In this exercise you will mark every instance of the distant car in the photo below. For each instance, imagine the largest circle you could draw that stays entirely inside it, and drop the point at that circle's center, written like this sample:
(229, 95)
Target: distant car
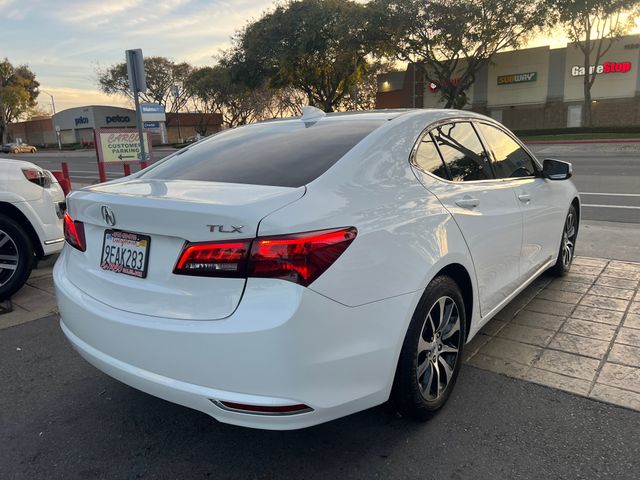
(283, 274)
(18, 148)
(32, 206)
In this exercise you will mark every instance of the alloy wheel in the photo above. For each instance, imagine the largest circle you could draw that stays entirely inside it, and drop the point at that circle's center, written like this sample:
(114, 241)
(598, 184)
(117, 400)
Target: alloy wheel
(438, 348)
(9, 257)
(568, 239)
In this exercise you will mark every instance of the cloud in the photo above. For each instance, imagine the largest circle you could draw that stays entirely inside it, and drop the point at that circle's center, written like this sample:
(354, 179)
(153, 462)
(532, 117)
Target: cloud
(72, 97)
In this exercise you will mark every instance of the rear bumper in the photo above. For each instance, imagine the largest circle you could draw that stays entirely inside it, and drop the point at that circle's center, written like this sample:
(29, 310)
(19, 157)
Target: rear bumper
(284, 345)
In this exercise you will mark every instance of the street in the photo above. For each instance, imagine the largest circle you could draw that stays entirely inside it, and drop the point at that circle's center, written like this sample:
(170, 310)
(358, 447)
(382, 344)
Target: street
(607, 175)
(61, 418)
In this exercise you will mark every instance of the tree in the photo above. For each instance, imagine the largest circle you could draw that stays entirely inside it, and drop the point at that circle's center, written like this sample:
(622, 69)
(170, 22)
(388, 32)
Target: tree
(162, 74)
(319, 47)
(213, 91)
(18, 93)
(453, 39)
(594, 26)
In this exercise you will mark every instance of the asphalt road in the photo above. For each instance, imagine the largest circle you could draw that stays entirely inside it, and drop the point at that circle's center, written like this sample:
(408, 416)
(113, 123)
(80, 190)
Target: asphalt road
(61, 418)
(607, 175)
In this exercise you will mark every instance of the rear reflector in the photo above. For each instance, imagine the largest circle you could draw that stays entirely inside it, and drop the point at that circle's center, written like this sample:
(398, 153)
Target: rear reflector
(264, 409)
(300, 258)
(74, 233)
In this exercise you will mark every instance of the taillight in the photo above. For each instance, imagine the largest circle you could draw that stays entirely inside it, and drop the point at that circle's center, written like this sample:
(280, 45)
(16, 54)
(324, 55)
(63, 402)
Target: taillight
(214, 259)
(74, 233)
(300, 258)
(37, 176)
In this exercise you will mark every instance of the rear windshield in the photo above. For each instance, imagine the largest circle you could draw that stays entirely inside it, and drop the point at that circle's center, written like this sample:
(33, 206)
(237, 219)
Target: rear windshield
(288, 154)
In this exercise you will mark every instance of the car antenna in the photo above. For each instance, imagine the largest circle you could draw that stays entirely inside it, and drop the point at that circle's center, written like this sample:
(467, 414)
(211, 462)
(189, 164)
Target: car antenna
(311, 114)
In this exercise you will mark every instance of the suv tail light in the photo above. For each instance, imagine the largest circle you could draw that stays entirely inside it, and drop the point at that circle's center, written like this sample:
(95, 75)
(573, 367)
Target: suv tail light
(74, 233)
(37, 176)
(300, 258)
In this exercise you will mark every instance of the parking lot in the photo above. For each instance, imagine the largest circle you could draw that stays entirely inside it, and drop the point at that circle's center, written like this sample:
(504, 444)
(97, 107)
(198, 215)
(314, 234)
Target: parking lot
(560, 363)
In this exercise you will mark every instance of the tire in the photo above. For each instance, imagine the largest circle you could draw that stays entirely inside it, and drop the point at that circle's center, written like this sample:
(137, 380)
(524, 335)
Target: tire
(16, 151)
(14, 242)
(567, 244)
(33, 150)
(414, 394)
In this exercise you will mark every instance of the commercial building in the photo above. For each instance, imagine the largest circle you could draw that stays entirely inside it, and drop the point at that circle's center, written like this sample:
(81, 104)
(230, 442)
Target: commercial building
(76, 125)
(535, 88)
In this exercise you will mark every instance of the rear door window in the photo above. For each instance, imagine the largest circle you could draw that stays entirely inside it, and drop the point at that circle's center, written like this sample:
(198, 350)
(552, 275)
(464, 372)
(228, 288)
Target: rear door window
(462, 152)
(428, 158)
(286, 154)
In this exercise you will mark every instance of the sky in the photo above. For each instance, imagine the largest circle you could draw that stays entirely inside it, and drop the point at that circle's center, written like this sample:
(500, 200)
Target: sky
(65, 41)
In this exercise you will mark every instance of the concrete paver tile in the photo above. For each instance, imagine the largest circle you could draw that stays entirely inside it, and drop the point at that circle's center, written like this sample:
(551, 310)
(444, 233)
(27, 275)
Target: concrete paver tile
(587, 269)
(604, 302)
(625, 355)
(511, 351)
(628, 336)
(593, 262)
(599, 315)
(617, 282)
(547, 306)
(612, 292)
(622, 376)
(498, 365)
(634, 308)
(568, 364)
(632, 320)
(616, 396)
(556, 380)
(589, 347)
(560, 296)
(599, 331)
(492, 327)
(619, 273)
(539, 320)
(565, 286)
(525, 334)
(580, 278)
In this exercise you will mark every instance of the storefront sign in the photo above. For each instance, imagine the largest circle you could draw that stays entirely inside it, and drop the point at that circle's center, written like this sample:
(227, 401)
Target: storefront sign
(152, 112)
(118, 119)
(607, 67)
(517, 78)
(120, 145)
(81, 120)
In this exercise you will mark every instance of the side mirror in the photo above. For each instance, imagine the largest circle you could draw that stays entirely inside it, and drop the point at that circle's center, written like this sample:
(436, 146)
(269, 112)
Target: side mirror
(556, 169)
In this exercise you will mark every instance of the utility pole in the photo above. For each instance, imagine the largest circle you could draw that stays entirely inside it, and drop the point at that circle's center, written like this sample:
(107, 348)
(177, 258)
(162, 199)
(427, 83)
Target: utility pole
(175, 90)
(137, 84)
(57, 129)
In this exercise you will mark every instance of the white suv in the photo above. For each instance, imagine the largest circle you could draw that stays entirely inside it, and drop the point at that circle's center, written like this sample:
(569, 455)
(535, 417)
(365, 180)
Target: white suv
(32, 205)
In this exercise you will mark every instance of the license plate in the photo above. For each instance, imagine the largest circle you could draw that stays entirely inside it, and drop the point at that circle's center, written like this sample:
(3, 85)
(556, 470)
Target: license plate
(125, 252)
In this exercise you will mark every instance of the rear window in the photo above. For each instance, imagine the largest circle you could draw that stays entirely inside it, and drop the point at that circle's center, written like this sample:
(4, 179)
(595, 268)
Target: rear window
(288, 154)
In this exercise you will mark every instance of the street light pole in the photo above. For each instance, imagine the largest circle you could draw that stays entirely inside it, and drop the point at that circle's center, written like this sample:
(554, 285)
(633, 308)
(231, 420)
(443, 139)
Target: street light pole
(53, 105)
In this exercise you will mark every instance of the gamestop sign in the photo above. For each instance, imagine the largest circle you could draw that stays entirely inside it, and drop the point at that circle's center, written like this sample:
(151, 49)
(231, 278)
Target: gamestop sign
(607, 67)
(120, 145)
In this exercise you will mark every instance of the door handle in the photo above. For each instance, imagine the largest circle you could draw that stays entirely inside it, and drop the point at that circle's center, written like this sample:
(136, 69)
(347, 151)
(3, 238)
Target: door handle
(468, 202)
(524, 197)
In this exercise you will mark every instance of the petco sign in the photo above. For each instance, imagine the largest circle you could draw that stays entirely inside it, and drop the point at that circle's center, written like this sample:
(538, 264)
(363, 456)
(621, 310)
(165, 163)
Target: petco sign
(607, 67)
(117, 119)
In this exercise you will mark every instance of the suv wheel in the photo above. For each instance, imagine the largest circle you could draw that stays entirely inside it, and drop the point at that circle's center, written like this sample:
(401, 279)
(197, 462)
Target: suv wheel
(432, 351)
(16, 257)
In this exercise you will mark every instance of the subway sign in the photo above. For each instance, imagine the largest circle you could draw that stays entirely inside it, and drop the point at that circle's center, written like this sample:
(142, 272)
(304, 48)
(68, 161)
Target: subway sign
(607, 67)
(517, 78)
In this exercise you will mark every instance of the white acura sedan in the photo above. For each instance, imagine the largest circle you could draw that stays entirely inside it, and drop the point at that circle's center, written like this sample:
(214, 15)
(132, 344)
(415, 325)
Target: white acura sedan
(287, 273)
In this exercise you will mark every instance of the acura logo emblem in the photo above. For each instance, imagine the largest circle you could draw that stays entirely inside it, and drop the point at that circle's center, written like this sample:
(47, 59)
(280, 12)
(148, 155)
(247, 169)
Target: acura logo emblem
(108, 216)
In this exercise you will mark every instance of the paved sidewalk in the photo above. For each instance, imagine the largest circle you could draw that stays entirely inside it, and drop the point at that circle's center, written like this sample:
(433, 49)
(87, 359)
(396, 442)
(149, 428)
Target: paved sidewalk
(34, 300)
(579, 334)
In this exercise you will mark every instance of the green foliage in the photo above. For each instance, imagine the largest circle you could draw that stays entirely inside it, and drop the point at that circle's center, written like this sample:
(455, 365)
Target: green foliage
(161, 75)
(319, 47)
(454, 39)
(18, 93)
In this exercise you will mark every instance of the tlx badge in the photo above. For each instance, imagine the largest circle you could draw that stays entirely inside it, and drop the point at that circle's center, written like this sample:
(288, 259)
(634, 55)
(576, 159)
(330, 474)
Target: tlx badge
(224, 229)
